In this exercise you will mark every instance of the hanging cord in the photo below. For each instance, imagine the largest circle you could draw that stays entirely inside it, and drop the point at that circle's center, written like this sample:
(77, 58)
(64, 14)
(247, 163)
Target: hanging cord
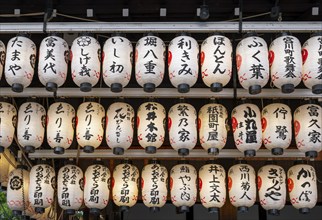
(23, 194)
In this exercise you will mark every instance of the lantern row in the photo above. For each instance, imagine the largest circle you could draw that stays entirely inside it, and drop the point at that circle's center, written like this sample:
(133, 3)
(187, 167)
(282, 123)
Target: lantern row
(256, 63)
(251, 127)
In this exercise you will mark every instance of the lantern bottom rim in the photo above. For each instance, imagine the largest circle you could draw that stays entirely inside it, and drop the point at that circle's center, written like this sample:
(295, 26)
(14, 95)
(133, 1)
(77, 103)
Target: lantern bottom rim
(216, 87)
(149, 87)
(70, 211)
(124, 208)
(183, 209)
(116, 87)
(150, 150)
(183, 151)
(304, 210)
(317, 89)
(242, 209)
(118, 151)
(59, 150)
(94, 211)
(154, 209)
(311, 154)
(213, 210)
(277, 151)
(274, 212)
(88, 149)
(213, 151)
(51, 87)
(183, 88)
(1, 149)
(255, 89)
(17, 87)
(17, 212)
(29, 149)
(39, 210)
(85, 87)
(250, 153)
(287, 88)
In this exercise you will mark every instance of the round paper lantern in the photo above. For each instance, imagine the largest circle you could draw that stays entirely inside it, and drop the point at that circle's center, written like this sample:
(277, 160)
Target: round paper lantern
(182, 125)
(85, 62)
(60, 126)
(149, 62)
(8, 119)
(119, 127)
(247, 128)
(277, 127)
(117, 62)
(285, 62)
(302, 187)
(151, 120)
(212, 121)
(4, 168)
(242, 186)
(154, 186)
(31, 126)
(183, 186)
(308, 129)
(53, 62)
(2, 57)
(271, 183)
(212, 186)
(312, 63)
(90, 125)
(216, 62)
(70, 186)
(125, 188)
(96, 188)
(183, 53)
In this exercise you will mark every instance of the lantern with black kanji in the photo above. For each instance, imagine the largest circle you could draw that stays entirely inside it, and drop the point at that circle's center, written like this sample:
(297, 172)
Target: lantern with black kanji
(302, 187)
(183, 54)
(212, 186)
(285, 62)
(2, 57)
(90, 123)
(308, 129)
(31, 126)
(85, 62)
(4, 168)
(119, 127)
(151, 120)
(20, 62)
(8, 119)
(70, 187)
(117, 62)
(277, 127)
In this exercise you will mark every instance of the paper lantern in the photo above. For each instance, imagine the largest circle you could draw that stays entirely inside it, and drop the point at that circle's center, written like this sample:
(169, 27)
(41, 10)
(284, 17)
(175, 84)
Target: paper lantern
(8, 119)
(125, 185)
(2, 57)
(212, 121)
(42, 187)
(183, 53)
(4, 168)
(96, 188)
(53, 62)
(277, 127)
(70, 186)
(182, 125)
(119, 127)
(312, 63)
(149, 62)
(117, 62)
(271, 183)
(247, 128)
(308, 129)
(285, 62)
(252, 63)
(154, 186)
(90, 125)
(151, 120)
(183, 186)
(31, 126)
(60, 126)
(302, 187)
(242, 186)
(216, 62)
(85, 62)
(212, 186)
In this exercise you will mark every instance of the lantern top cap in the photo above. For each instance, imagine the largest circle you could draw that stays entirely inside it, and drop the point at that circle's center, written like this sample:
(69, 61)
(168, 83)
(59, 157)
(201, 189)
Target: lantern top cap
(250, 34)
(23, 167)
(316, 34)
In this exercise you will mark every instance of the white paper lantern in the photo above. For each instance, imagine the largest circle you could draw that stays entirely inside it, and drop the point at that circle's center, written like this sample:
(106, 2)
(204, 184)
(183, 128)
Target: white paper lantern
(85, 62)
(183, 54)
(8, 119)
(183, 186)
(242, 186)
(70, 187)
(96, 188)
(247, 128)
(212, 186)
(216, 62)
(2, 57)
(125, 186)
(53, 62)
(119, 127)
(117, 62)
(182, 126)
(42, 187)
(151, 120)
(4, 168)
(149, 62)
(90, 125)
(308, 129)
(285, 62)
(154, 186)
(212, 121)
(302, 187)
(31, 125)
(277, 127)
(271, 183)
